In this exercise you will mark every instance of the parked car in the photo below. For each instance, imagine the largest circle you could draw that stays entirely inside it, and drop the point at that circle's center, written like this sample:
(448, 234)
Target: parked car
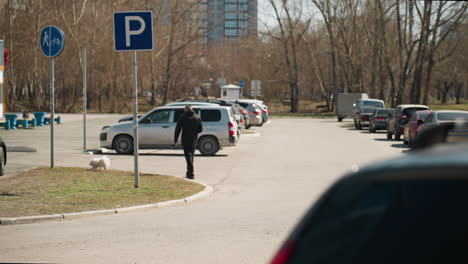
(435, 118)
(3, 156)
(362, 103)
(410, 129)
(364, 117)
(240, 119)
(378, 121)
(406, 210)
(156, 130)
(400, 117)
(345, 104)
(263, 108)
(254, 111)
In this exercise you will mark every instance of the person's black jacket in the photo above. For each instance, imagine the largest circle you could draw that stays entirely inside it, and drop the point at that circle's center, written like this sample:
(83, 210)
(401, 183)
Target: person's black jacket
(190, 124)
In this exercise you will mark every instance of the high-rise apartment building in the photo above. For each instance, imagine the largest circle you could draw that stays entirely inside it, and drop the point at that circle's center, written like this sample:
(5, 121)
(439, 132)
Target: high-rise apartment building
(226, 20)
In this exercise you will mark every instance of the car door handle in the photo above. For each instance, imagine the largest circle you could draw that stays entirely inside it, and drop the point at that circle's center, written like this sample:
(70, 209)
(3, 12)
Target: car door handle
(165, 126)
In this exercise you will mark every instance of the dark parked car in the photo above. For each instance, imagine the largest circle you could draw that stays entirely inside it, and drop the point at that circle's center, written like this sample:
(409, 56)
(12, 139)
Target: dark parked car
(3, 156)
(411, 127)
(363, 103)
(400, 117)
(364, 116)
(407, 210)
(378, 120)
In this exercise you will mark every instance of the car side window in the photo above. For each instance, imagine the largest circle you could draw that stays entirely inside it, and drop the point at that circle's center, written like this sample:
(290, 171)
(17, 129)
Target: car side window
(160, 116)
(210, 115)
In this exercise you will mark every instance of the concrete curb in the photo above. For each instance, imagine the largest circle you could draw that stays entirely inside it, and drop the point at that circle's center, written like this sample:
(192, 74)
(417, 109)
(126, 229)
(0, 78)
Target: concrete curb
(38, 218)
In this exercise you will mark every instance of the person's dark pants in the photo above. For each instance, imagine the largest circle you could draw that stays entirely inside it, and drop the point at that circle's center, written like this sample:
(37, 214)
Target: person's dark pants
(189, 151)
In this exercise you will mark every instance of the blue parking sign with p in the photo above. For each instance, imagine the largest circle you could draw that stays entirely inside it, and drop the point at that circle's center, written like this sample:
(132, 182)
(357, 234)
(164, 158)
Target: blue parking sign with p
(133, 31)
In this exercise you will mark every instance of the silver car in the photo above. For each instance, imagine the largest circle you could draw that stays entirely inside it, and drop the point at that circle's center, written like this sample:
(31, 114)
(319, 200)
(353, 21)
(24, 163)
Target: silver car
(255, 113)
(156, 130)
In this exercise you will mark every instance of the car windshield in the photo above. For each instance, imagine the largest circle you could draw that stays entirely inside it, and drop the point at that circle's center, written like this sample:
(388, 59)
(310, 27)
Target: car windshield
(452, 116)
(373, 104)
(368, 110)
(384, 112)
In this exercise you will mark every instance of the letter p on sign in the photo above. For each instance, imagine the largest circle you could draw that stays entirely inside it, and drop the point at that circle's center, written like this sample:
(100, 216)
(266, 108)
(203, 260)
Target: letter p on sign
(133, 31)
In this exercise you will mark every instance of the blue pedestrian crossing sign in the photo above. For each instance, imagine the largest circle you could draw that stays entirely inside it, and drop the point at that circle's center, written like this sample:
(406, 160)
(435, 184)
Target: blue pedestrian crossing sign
(133, 31)
(51, 41)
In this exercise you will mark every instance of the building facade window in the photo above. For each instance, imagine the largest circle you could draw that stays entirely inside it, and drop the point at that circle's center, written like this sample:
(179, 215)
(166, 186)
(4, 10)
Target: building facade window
(243, 7)
(230, 32)
(230, 24)
(230, 15)
(230, 7)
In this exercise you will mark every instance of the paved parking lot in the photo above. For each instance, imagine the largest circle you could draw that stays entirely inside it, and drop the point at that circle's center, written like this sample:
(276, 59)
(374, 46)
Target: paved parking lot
(262, 187)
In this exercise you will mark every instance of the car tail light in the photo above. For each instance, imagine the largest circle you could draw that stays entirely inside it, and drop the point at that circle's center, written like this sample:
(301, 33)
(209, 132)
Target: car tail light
(232, 132)
(364, 117)
(244, 112)
(283, 254)
(402, 129)
(256, 112)
(403, 117)
(265, 111)
(379, 119)
(242, 121)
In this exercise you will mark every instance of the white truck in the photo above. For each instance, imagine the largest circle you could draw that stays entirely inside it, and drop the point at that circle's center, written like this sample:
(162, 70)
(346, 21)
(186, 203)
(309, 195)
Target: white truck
(345, 104)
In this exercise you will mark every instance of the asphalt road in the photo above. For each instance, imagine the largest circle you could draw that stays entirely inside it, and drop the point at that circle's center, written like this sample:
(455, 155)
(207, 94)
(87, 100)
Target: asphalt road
(262, 188)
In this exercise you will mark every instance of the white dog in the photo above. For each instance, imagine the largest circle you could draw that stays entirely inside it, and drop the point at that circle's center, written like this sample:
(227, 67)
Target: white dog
(102, 163)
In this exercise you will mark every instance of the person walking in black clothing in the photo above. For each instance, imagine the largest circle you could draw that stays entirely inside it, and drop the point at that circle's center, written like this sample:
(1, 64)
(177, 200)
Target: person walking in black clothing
(191, 125)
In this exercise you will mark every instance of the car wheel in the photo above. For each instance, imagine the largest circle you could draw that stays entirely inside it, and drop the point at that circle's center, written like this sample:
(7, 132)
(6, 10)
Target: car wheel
(123, 144)
(261, 124)
(389, 135)
(248, 126)
(359, 126)
(2, 162)
(340, 119)
(355, 124)
(372, 130)
(208, 146)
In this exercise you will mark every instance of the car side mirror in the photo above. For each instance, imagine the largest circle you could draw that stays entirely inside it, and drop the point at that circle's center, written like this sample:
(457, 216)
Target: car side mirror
(420, 122)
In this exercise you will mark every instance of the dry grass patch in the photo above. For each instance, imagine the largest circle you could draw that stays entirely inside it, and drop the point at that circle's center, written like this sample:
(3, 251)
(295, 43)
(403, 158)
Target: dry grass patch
(65, 190)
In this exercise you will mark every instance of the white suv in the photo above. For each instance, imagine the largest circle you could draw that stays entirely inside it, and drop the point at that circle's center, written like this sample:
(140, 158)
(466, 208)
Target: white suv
(156, 130)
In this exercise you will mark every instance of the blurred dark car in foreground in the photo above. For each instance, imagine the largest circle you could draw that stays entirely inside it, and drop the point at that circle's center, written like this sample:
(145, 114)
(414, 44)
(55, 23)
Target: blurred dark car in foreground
(407, 210)
(3, 156)
(454, 132)
(436, 118)
(378, 120)
(364, 116)
(397, 121)
(410, 129)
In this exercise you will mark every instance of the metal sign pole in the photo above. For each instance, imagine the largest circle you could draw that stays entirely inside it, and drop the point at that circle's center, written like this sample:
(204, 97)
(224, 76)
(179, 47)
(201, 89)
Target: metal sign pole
(52, 110)
(84, 97)
(135, 118)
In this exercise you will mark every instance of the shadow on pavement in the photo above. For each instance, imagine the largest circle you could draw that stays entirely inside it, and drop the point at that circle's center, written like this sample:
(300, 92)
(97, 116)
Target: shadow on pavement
(399, 145)
(167, 155)
(383, 139)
